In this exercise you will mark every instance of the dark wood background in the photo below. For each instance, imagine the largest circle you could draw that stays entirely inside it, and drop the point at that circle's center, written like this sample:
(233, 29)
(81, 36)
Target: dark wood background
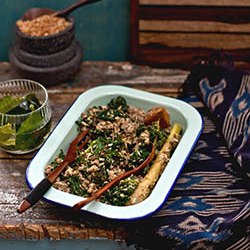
(178, 33)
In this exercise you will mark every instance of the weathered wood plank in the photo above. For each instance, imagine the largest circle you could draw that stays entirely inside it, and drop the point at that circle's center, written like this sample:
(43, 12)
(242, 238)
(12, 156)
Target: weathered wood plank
(192, 26)
(194, 40)
(185, 57)
(227, 14)
(53, 232)
(197, 3)
(98, 73)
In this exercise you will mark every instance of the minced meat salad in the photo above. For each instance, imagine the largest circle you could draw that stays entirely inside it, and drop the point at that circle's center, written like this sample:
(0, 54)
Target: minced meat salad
(119, 142)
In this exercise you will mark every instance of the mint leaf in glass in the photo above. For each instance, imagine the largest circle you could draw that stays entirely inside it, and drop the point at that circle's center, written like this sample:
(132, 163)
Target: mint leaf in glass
(7, 135)
(8, 103)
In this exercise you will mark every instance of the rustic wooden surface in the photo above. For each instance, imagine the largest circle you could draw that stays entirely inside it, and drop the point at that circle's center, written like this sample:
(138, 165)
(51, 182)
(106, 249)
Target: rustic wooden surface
(170, 33)
(46, 220)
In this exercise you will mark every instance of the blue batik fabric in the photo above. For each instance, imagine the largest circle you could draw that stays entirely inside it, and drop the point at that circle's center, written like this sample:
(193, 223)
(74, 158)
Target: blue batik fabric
(226, 92)
(209, 206)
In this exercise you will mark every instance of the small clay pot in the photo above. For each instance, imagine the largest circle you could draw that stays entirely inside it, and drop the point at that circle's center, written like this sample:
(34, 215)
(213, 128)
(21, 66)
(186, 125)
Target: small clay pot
(45, 44)
(49, 75)
(48, 60)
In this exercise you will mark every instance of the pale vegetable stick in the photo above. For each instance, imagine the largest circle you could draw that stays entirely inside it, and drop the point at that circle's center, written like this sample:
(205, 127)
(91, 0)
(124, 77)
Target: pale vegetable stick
(146, 185)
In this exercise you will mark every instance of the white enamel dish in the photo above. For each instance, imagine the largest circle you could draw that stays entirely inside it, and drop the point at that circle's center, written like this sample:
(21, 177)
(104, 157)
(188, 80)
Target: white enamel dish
(65, 131)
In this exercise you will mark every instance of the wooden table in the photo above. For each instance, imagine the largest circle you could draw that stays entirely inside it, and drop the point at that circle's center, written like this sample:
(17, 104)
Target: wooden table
(49, 221)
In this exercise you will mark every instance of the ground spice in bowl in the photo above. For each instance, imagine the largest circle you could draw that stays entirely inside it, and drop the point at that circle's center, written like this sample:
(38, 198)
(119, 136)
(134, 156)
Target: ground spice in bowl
(43, 26)
(45, 49)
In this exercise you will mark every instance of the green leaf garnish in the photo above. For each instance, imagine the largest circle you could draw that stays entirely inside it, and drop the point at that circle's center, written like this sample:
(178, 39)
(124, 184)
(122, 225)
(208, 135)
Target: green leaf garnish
(7, 103)
(7, 135)
(33, 122)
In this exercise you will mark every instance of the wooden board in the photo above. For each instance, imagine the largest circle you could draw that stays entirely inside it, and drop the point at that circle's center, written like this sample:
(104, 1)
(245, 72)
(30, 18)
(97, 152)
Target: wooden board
(162, 30)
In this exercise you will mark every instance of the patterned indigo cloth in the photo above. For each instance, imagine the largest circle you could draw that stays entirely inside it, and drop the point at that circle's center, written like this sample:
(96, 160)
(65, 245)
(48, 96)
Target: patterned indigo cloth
(226, 92)
(209, 206)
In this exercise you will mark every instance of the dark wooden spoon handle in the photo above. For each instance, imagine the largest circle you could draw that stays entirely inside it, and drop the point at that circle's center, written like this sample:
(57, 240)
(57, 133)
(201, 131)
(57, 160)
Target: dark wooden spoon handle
(71, 8)
(35, 195)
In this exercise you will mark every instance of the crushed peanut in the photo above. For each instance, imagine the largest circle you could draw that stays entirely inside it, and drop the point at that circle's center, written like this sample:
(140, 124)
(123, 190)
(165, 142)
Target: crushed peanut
(43, 26)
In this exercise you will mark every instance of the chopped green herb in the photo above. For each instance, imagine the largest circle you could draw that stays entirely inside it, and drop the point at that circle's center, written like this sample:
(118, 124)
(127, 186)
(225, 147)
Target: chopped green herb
(119, 194)
(118, 103)
(75, 186)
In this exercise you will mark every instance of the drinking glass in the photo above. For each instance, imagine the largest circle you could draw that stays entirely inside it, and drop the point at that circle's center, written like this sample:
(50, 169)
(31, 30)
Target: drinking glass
(25, 116)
